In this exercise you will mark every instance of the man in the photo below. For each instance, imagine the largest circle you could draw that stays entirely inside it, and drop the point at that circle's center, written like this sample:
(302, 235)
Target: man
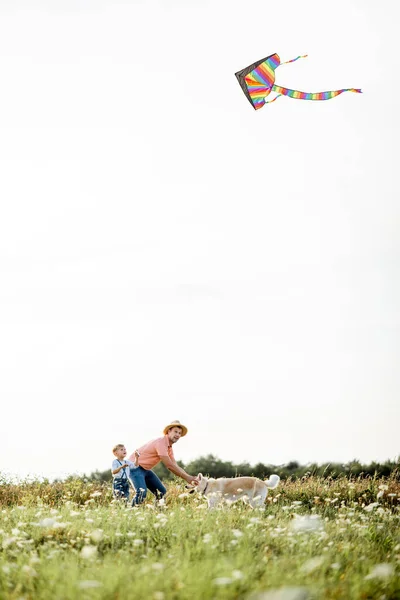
(149, 455)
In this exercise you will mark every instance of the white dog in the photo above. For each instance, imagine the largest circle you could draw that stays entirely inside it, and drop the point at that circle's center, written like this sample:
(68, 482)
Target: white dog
(251, 490)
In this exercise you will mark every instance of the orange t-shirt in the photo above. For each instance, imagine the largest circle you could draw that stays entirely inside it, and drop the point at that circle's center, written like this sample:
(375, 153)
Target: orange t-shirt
(151, 453)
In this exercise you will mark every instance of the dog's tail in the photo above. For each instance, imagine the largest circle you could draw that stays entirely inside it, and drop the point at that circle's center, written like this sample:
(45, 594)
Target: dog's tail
(272, 482)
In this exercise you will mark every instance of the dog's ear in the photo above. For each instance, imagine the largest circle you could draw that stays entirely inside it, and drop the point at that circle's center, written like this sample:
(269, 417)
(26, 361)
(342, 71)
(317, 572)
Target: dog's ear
(200, 476)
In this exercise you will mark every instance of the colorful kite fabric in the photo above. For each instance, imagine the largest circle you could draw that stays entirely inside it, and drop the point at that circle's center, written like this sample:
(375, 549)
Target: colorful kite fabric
(258, 81)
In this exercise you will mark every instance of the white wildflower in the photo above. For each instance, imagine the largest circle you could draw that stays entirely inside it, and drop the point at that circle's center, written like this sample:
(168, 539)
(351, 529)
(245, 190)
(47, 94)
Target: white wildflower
(381, 571)
(312, 564)
(306, 523)
(284, 593)
(138, 542)
(370, 507)
(222, 581)
(158, 595)
(236, 574)
(237, 533)
(157, 566)
(48, 522)
(96, 535)
(95, 494)
(30, 571)
(89, 552)
(88, 584)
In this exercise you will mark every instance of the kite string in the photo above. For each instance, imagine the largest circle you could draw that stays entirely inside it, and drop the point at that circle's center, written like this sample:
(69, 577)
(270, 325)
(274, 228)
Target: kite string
(294, 59)
(273, 100)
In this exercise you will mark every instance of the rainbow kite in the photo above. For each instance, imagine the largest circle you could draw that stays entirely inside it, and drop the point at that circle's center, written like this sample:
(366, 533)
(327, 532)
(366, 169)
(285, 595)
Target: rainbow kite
(258, 80)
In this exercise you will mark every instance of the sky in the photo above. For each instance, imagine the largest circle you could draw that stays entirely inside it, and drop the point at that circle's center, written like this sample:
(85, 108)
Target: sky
(167, 252)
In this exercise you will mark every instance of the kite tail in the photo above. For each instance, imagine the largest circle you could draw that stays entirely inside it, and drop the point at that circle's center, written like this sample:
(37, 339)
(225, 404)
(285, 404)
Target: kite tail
(294, 59)
(310, 95)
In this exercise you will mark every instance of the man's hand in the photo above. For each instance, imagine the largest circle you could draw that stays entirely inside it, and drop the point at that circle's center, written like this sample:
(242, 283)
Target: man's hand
(192, 480)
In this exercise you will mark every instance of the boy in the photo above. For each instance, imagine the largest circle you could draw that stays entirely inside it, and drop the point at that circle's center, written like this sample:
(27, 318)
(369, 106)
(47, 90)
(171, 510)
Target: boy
(119, 469)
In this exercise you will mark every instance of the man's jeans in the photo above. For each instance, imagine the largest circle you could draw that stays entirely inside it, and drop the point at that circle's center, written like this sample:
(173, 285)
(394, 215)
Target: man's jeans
(143, 479)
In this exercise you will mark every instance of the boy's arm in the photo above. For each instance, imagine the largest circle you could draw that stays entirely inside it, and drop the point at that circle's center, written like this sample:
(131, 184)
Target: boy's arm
(117, 470)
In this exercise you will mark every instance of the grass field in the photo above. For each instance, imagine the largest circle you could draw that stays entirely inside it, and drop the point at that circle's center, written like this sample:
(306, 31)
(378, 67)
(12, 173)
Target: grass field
(315, 539)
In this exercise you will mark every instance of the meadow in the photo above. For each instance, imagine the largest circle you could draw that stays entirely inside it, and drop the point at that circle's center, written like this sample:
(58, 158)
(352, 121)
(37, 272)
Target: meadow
(316, 538)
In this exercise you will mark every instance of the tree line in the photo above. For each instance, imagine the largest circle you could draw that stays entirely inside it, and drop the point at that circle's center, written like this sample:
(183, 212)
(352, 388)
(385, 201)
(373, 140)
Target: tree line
(212, 466)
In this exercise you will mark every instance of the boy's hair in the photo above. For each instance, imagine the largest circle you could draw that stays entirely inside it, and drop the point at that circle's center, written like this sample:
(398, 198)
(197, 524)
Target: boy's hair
(117, 447)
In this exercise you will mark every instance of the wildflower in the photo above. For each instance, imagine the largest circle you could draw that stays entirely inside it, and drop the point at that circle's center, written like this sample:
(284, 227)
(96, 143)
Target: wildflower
(370, 507)
(30, 571)
(158, 595)
(89, 583)
(306, 523)
(138, 542)
(96, 535)
(237, 533)
(222, 581)
(237, 574)
(95, 494)
(157, 566)
(381, 571)
(283, 593)
(312, 564)
(207, 538)
(88, 552)
(48, 522)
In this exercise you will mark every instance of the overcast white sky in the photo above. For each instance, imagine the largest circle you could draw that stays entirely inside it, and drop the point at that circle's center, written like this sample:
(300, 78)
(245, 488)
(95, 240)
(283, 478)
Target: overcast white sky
(167, 252)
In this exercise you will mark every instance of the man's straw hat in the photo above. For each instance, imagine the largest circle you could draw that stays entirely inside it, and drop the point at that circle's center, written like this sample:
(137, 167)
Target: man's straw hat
(175, 424)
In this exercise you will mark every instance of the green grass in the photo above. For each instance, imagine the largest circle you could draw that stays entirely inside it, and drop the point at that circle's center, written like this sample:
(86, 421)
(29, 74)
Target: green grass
(322, 539)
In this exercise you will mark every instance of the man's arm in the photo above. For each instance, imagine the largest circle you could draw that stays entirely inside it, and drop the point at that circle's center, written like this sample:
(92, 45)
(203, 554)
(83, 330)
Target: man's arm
(176, 470)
